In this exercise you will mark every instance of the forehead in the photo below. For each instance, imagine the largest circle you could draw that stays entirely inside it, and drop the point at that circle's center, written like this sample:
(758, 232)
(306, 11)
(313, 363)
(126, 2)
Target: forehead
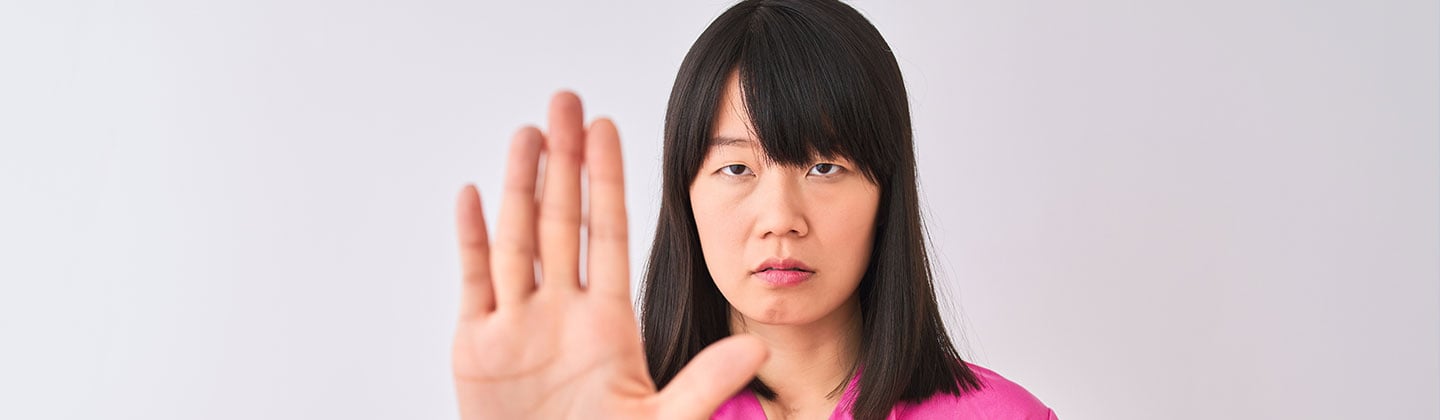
(787, 134)
(732, 126)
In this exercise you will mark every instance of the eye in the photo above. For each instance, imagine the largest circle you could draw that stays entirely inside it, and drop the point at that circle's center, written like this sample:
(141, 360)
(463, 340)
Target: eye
(825, 169)
(735, 170)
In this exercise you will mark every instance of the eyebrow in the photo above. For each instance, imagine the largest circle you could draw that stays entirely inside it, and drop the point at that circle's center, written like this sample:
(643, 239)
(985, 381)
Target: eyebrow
(719, 141)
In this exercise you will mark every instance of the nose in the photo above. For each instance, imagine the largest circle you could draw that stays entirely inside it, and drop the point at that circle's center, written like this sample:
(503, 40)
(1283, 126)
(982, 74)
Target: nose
(781, 209)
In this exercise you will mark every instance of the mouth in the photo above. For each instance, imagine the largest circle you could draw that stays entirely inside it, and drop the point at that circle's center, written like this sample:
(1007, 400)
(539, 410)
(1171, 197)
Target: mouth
(787, 264)
(783, 272)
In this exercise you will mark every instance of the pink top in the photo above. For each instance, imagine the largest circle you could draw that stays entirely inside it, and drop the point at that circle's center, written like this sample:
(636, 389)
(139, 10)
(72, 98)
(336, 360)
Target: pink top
(998, 399)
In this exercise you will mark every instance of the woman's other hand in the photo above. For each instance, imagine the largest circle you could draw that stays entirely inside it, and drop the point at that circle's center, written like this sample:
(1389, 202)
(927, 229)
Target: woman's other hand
(560, 349)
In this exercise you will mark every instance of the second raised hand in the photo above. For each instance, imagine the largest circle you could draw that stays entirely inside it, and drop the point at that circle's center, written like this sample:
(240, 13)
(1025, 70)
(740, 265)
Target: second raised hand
(559, 349)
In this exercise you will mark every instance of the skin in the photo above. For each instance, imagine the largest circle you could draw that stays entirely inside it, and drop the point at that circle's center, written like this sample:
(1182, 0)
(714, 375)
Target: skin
(534, 344)
(748, 210)
(559, 349)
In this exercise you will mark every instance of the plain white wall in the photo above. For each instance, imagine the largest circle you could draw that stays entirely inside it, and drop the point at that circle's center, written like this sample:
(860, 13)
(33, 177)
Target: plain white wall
(1141, 210)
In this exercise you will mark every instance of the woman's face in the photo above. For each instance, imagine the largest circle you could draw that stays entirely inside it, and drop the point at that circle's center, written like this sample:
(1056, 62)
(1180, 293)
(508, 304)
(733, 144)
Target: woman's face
(785, 245)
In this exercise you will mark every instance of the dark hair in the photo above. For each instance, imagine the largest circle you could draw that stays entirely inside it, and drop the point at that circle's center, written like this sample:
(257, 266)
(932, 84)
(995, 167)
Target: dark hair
(819, 80)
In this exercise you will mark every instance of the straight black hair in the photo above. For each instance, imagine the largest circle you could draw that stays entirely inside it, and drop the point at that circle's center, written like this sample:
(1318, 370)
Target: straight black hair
(818, 80)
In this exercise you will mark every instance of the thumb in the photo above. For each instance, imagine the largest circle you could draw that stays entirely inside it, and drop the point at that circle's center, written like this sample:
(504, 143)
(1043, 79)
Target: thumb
(712, 377)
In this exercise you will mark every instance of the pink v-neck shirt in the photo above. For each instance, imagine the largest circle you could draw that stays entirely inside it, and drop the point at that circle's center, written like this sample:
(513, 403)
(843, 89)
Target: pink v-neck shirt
(998, 399)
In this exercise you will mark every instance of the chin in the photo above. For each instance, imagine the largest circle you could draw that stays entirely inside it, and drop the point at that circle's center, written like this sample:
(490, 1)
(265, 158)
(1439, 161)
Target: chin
(780, 312)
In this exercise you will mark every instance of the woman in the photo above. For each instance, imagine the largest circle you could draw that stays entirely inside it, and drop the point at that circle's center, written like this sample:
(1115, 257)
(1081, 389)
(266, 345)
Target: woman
(788, 275)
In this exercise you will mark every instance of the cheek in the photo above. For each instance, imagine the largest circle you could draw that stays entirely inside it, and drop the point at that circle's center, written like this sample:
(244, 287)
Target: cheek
(857, 227)
(851, 232)
(721, 236)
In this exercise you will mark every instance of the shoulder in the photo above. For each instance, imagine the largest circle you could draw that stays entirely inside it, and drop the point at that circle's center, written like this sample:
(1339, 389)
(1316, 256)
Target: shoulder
(999, 398)
(741, 406)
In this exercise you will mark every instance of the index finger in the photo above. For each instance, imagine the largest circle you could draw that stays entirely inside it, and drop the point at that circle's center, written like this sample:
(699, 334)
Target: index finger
(608, 268)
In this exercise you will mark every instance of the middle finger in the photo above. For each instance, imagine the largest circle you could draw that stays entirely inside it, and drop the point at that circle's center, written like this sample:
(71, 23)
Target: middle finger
(559, 229)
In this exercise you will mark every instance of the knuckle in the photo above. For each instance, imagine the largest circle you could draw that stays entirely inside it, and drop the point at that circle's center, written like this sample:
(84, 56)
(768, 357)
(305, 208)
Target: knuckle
(604, 233)
(519, 189)
(516, 247)
(563, 215)
(474, 242)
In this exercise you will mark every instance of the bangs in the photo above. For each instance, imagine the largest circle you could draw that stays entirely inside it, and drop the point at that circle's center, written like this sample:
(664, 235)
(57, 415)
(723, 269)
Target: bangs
(817, 81)
(808, 94)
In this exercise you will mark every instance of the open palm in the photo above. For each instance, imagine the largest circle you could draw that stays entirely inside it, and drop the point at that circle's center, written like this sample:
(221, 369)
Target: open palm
(561, 349)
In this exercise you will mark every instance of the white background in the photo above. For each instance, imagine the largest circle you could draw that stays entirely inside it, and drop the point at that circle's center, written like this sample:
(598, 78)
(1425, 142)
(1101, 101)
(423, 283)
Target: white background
(1141, 210)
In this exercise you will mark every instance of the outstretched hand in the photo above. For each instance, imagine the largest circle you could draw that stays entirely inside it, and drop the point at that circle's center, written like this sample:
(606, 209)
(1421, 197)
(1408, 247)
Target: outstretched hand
(559, 349)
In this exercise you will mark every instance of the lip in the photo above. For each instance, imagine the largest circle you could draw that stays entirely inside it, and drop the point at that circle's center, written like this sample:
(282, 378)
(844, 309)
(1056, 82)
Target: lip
(783, 272)
(783, 264)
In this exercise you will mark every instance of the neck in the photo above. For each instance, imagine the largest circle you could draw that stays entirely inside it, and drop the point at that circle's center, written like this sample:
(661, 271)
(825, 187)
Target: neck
(807, 362)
